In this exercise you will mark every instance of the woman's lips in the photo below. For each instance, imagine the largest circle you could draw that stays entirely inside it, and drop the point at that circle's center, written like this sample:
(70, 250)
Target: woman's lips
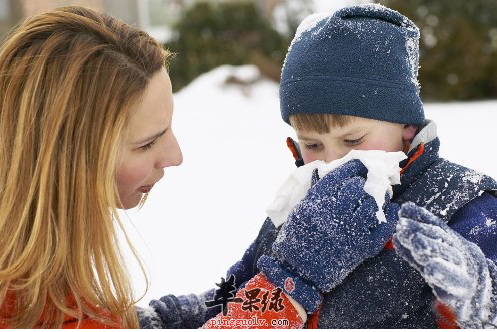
(145, 189)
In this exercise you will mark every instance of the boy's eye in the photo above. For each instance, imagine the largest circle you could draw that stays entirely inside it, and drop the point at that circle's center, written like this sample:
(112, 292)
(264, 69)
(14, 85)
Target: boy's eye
(314, 146)
(147, 146)
(354, 141)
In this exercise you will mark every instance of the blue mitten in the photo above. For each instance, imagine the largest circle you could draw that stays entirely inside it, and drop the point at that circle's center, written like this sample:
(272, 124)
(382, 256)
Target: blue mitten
(457, 270)
(328, 234)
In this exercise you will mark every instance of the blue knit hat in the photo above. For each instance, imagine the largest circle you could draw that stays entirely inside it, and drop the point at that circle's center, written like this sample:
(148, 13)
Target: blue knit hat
(360, 61)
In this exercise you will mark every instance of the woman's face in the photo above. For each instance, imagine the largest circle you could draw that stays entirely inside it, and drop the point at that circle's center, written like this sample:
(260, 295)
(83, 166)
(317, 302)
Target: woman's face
(149, 145)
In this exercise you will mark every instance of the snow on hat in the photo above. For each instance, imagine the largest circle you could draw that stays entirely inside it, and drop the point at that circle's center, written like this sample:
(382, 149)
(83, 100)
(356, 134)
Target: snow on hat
(360, 61)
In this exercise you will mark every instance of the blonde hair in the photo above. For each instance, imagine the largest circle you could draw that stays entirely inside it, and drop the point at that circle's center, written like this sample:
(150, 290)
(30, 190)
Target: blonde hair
(68, 82)
(320, 123)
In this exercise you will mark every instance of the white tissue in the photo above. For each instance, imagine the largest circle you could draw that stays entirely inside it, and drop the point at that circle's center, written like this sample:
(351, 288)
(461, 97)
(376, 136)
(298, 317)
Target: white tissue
(383, 172)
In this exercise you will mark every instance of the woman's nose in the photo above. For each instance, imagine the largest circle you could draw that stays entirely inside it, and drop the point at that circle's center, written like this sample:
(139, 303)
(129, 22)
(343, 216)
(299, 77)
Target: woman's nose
(177, 155)
(171, 155)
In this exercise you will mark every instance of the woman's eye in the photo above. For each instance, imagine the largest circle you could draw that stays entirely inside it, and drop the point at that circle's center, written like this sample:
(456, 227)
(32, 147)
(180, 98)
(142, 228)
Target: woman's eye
(354, 141)
(147, 146)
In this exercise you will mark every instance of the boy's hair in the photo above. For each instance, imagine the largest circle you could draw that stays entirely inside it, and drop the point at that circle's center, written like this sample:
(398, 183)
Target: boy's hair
(69, 80)
(319, 123)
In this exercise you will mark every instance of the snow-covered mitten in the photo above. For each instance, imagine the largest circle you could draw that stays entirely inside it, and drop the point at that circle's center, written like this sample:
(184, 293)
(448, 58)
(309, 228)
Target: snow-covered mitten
(329, 233)
(456, 269)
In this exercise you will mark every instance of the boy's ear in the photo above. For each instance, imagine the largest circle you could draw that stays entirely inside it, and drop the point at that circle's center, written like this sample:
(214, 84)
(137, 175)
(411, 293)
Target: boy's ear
(409, 132)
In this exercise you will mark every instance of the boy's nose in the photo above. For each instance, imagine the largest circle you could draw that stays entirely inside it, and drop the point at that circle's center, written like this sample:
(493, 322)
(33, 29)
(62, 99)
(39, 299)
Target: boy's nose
(333, 154)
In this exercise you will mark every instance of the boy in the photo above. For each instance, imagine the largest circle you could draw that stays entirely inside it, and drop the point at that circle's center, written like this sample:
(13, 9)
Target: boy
(350, 82)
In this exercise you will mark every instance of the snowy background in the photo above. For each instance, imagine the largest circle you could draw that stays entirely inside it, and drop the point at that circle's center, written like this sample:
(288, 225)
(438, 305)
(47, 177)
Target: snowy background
(201, 216)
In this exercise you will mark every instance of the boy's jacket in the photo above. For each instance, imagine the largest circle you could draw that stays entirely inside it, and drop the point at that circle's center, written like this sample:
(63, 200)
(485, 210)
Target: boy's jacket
(384, 291)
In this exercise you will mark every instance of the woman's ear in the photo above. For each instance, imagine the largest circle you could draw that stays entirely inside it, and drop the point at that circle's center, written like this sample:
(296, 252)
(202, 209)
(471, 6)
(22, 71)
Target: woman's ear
(409, 132)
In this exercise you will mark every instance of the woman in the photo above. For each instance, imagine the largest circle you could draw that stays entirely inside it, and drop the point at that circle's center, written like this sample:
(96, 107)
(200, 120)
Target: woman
(82, 94)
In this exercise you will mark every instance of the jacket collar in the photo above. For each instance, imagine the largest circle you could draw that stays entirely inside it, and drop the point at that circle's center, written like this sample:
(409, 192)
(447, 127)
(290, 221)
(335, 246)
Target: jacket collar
(427, 134)
(422, 153)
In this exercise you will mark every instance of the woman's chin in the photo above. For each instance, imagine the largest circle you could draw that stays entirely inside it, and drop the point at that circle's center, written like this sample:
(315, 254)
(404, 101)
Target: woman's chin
(131, 201)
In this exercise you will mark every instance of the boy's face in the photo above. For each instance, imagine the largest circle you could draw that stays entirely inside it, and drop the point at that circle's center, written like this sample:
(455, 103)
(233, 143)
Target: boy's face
(359, 134)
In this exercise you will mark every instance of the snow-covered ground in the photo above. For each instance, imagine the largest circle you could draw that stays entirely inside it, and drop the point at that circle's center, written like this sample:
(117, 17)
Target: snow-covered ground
(202, 215)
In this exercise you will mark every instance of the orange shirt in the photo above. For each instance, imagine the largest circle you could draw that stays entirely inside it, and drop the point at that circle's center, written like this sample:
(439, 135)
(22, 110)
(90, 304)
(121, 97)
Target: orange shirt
(6, 312)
